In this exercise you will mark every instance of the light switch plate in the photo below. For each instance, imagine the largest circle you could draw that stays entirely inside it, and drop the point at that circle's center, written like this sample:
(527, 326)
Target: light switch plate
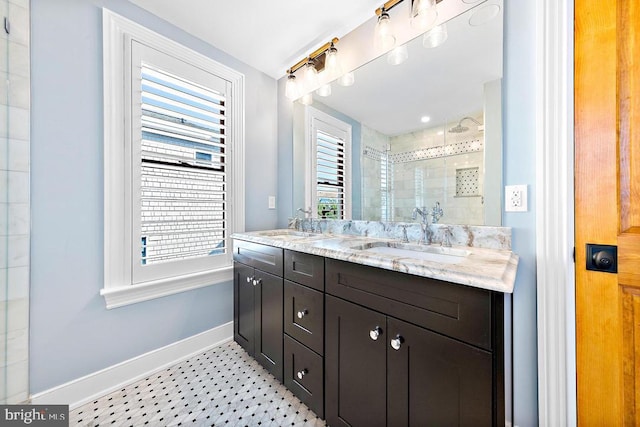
(272, 202)
(515, 198)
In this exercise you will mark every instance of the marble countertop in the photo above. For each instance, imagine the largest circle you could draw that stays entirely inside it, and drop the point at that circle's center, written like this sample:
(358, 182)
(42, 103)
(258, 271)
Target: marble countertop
(492, 269)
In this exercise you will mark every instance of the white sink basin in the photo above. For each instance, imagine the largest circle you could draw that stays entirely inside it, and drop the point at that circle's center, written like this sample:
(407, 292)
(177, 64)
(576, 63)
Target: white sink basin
(290, 234)
(437, 254)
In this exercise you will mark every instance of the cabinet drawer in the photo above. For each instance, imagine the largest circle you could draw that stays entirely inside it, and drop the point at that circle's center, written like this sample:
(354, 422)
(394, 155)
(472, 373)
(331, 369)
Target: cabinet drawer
(458, 311)
(304, 315)
(262, 257)
(304, 268)
(304, 375)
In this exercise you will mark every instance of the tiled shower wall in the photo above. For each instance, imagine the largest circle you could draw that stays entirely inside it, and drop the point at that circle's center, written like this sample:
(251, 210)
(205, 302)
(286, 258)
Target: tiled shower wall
(373, 175)
(14, 200)
(425, 167)
(425, 182)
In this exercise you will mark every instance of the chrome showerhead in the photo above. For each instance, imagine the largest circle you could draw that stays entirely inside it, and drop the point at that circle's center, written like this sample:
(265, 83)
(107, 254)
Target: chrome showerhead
(459, 128)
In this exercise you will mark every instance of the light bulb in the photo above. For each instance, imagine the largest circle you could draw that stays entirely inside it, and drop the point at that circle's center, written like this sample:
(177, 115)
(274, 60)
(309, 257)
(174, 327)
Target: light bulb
(307, 99)
(347, 79)
(435, 36)
(331, 62)
(291, 89)
(384, 37)
(423, 14)
(398, 55)
(324, 90)
(310, 75)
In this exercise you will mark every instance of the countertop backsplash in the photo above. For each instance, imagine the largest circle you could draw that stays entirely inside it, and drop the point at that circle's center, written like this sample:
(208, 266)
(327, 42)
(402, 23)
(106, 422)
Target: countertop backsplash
(478, 236)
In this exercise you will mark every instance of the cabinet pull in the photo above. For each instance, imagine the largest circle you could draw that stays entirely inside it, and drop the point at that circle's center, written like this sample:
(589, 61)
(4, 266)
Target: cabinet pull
(257, 282)
(396, 343)
(249, 279)
(302, 313)
(301, 374)
(375, 333)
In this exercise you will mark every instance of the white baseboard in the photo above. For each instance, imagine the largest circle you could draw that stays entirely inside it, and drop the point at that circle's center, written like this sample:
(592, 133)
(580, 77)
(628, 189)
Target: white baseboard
(85, 389)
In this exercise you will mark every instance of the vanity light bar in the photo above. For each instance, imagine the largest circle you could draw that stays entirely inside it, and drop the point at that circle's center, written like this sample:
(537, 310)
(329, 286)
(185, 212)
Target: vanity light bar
(315, 54)
(391, 3)
(387, 6)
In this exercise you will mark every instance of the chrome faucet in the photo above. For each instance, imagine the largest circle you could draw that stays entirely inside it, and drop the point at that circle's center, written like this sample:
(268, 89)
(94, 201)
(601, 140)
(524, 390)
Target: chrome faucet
(300, 221)
(427, 234)
(436, 213)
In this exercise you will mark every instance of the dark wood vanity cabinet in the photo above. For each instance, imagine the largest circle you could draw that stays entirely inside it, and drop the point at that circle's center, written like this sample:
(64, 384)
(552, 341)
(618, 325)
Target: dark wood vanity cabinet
(363, 346)
(382, 370)
(258, 303)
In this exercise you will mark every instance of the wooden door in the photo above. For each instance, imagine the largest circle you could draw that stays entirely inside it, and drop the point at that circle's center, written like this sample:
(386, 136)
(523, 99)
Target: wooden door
(607, 204)
(355, 365)
(433, 380)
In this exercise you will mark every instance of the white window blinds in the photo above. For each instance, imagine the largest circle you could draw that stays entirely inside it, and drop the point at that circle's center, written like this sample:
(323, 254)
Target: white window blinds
(183, 170)
(330, 176)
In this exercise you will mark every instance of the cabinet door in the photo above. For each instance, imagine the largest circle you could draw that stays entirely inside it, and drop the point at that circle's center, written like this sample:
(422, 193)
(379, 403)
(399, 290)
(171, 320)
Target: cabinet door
(436, 381)
(355, 365)
(243, 307)
(269, 322)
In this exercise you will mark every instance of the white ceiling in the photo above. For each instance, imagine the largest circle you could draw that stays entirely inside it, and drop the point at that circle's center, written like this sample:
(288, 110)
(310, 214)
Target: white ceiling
(270, 36)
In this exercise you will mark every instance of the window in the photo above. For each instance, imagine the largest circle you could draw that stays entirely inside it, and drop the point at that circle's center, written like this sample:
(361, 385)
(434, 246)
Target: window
(328, 185)
(173, 165)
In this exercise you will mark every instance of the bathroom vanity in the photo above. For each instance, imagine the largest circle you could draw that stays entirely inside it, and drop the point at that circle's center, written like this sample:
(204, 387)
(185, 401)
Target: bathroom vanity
(367, 337)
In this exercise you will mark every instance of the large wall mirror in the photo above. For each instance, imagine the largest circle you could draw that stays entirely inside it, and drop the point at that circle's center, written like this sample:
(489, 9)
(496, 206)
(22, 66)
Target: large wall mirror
(424, 133)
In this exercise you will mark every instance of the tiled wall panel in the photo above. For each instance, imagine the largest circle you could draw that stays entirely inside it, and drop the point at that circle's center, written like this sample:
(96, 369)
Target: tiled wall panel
(14, 200)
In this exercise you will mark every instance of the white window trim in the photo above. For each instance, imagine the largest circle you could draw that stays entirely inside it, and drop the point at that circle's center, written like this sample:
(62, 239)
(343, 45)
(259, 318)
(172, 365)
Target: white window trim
(311, 114)
(119, 289)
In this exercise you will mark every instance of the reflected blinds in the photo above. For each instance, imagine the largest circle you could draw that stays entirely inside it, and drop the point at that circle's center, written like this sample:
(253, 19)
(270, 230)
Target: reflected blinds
(330, 176)
(183, 169)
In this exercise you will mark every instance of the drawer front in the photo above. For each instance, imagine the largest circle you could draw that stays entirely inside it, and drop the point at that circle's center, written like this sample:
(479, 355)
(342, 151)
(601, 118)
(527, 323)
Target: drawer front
(262, 257)
(457, 311)
(304, 375)
(304, 315)
(305, 269)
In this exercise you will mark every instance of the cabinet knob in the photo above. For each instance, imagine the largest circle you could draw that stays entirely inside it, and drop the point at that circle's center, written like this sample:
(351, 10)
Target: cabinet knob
(249, 279)
(301, 374)
(396, 343)
(375, 333)
(302, 313)
(257, 282)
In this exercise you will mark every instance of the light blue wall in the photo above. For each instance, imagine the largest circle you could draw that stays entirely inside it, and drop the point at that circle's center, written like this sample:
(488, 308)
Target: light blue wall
(72, 333)
(285, 156)
(519, 131)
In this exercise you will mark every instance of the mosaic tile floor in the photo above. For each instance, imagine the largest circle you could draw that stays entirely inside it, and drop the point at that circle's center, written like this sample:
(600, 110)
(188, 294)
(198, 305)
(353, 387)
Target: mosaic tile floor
(220, 387)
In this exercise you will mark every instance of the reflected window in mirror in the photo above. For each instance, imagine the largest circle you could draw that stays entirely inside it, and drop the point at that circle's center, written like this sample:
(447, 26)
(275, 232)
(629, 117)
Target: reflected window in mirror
(329, 161)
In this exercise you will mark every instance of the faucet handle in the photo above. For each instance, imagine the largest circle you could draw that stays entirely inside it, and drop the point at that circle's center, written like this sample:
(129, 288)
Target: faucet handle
(447, 234)
(405, 238)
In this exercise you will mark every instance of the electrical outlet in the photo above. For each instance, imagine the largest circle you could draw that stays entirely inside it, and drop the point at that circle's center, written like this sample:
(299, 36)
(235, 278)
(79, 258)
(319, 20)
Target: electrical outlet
(515, 198)
(272, 202)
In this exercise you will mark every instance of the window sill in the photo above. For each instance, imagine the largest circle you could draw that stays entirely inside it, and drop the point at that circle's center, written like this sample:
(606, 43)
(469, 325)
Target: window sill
(125, 295)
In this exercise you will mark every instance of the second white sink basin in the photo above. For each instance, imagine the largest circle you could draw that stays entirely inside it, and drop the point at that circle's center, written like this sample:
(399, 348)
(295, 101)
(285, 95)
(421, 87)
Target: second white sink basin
(287, 234)
(437, 254)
